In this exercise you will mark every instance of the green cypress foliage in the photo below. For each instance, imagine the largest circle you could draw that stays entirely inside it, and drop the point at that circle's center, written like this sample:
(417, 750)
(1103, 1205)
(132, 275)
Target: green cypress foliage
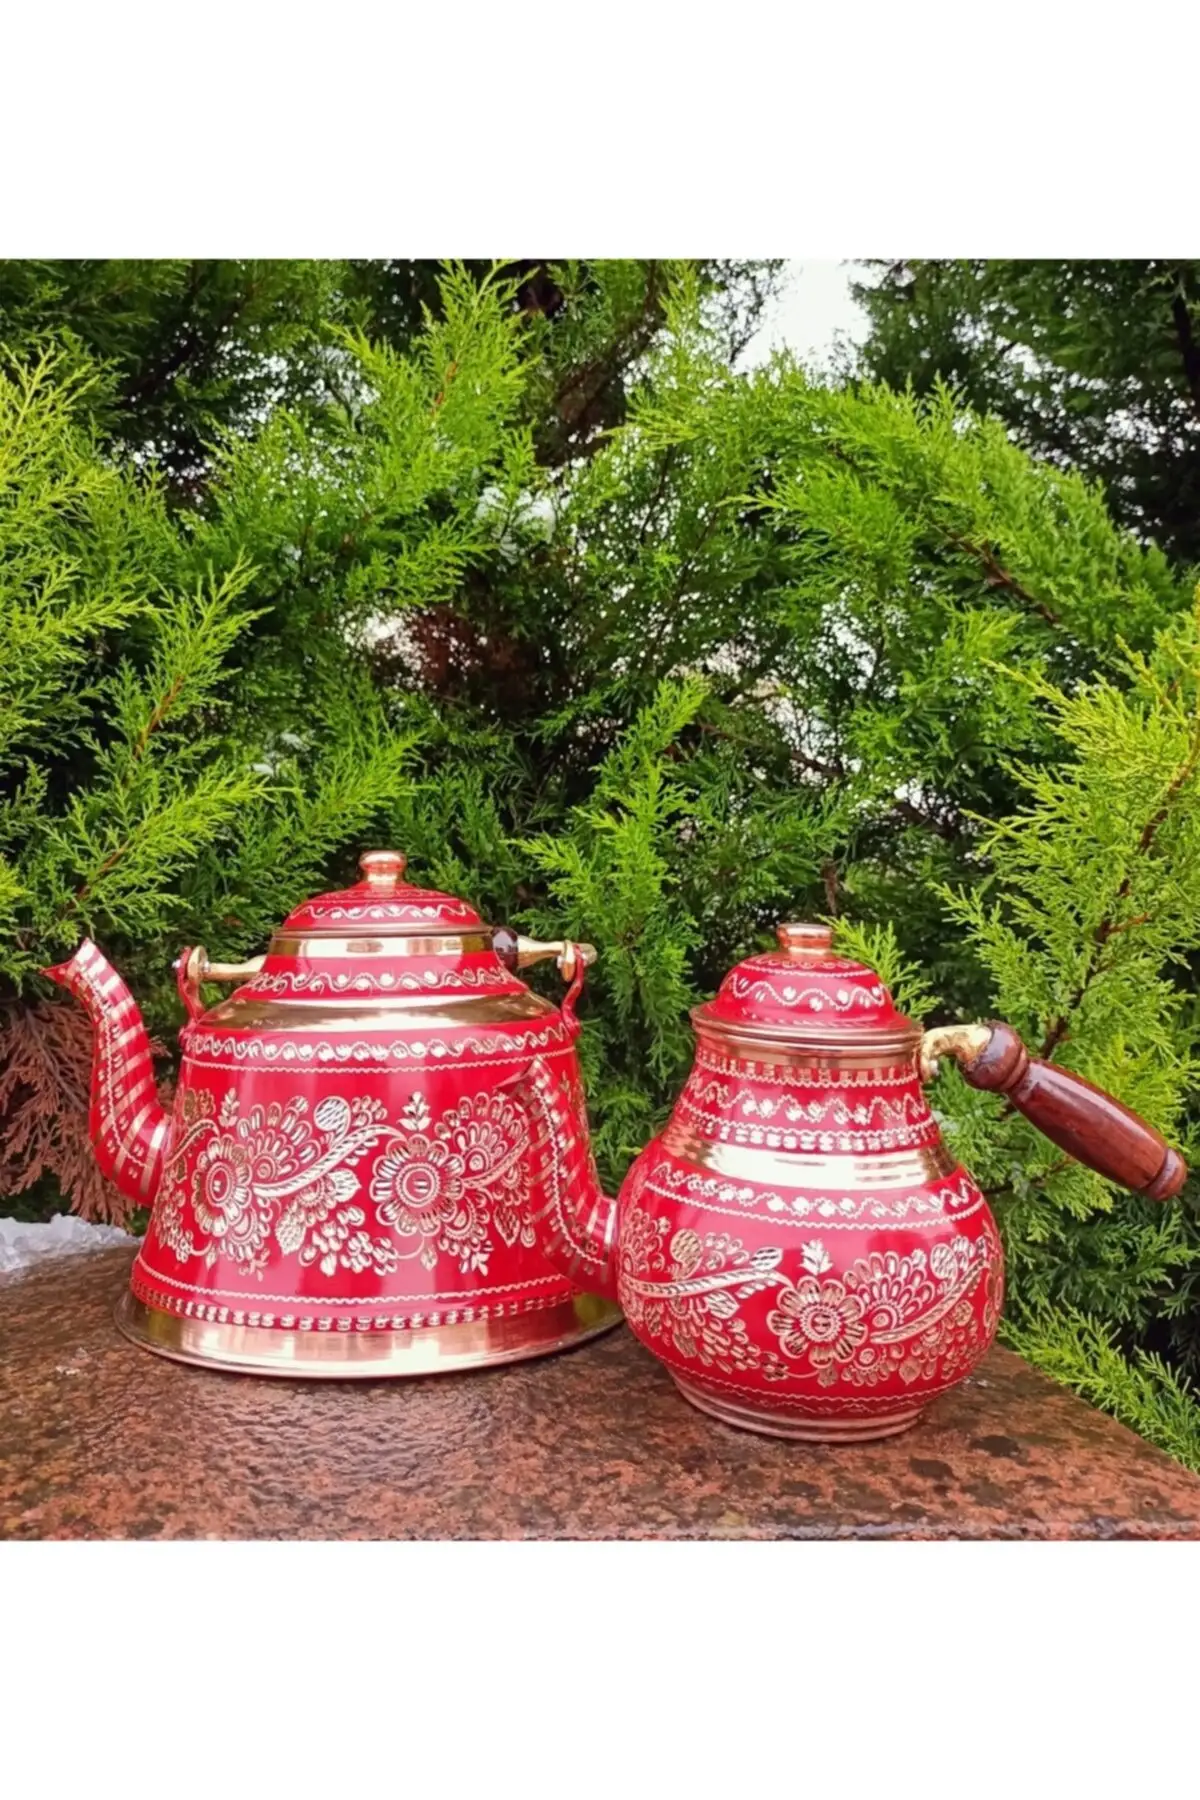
(1093, 365)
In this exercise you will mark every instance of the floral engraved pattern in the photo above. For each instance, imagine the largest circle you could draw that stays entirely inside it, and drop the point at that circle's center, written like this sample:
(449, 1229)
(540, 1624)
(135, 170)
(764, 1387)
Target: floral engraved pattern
(920, 1317)
(446, 1186)
(695, 1310)
(276, 1180)
(836, 1124)
(911, 1316)
(271, 1179)
(223, 1202)
(818, 1319)
(921, 1208)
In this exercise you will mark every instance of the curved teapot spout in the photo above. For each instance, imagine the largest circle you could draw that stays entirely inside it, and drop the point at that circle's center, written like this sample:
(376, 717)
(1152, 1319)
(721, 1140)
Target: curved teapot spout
(127, 1124)
(575, 1221)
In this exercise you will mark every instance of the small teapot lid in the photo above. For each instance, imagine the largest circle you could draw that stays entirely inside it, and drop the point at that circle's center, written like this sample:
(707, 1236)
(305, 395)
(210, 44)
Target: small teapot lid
(804, 991)
(381, 901)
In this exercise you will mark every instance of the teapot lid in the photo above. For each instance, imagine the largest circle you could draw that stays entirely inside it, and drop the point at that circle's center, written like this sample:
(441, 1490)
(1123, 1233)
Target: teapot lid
(381, 955)
(381, 901)
(805, 995)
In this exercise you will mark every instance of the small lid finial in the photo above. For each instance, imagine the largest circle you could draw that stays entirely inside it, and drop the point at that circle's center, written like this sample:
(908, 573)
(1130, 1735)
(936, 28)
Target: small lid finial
(383, 869)
(805, 940)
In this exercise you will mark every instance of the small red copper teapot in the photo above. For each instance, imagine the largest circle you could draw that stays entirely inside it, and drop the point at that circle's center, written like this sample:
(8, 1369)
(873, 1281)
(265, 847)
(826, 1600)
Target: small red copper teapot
(342, 1186)
(798, 1246)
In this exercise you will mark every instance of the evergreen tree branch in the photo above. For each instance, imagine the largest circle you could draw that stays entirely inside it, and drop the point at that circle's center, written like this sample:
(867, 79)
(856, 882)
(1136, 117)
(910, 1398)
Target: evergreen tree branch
(193, 343)
(1111, 924)
(1189, 349)
(581, 387)
(650, 516)
(999, 577)
(1081, 1352)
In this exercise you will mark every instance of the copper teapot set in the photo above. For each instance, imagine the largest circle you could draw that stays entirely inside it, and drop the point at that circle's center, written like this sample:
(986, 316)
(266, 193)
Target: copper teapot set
(377, 1163)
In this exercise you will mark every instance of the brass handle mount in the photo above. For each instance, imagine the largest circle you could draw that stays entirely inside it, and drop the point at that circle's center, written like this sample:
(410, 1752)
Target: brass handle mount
(192, 967)
(962, 1042)
(517, 952)
(198, 967)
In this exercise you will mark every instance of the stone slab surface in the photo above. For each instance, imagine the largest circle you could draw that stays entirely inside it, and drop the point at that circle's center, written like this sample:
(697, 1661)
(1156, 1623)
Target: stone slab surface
(101, 1440)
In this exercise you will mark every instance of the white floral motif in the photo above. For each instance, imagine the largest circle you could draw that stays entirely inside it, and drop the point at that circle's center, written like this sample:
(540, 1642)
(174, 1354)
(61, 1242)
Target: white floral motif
(816, 1258)
(911, 1316)
(889, 1314)
(447, 1185)
(696, 1310)
(819, 1320)
(223, 1201)
(276, 1173)
(339, 1242)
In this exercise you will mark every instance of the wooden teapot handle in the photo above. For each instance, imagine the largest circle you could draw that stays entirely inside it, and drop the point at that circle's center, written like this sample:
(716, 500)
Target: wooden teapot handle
(1081, 1119)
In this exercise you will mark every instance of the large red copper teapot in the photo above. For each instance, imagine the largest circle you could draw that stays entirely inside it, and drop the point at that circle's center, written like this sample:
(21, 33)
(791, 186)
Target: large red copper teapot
(342, 1187)
(798, 1246)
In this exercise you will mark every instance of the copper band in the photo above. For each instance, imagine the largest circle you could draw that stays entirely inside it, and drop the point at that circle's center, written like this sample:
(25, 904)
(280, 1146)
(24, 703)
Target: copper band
(785, 1168)
(320, 946)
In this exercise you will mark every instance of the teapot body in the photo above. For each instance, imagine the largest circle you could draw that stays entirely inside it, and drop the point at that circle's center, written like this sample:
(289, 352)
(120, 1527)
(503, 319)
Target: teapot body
(345, 1185)
(799, 1247)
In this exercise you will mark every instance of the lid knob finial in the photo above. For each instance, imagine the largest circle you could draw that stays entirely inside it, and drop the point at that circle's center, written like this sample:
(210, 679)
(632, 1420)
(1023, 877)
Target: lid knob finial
(383, 869)
(805, 940)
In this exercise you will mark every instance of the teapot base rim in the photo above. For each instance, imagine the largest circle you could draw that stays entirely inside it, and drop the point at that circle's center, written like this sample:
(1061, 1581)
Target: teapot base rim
(360, 1356)
(769, 1422)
